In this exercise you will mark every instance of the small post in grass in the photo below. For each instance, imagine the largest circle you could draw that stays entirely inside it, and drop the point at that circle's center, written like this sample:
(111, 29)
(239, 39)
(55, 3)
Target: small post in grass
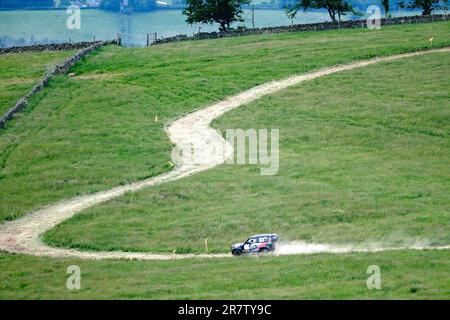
(206, 245)
(173, 254)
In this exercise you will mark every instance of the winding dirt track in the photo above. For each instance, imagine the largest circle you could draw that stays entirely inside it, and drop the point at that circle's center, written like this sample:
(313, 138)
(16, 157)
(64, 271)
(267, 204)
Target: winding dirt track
(23, 235)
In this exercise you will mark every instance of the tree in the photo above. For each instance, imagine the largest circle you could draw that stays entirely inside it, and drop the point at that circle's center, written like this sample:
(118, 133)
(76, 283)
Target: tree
(427, 6)
(386, 6)
(336, 8)
(223, 12)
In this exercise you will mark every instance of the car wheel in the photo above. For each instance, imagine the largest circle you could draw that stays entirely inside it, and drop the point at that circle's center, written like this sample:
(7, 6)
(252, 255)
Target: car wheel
(236, 252)
(264, 251)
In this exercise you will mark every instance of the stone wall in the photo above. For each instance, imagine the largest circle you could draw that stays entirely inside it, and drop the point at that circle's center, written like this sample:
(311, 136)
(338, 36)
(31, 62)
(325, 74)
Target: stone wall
(59, 69)
(304, 27)
(49, 47)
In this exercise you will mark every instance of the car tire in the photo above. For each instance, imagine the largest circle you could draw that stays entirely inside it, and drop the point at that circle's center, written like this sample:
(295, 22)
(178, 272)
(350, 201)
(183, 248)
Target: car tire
(264, 251)
(236, 252)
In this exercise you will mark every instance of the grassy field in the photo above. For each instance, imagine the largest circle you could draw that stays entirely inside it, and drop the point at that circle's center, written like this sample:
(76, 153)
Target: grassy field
(363, 159)
(404, 275)
(20, 72)
(96, 130)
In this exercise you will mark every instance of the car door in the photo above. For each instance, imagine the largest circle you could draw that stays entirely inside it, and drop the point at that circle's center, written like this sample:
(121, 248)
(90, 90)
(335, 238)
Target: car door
(254, 247)
(250, 245)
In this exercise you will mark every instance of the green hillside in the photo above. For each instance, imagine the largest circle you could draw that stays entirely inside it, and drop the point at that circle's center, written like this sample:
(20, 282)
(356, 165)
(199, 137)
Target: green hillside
(96, 130)
(363, 161)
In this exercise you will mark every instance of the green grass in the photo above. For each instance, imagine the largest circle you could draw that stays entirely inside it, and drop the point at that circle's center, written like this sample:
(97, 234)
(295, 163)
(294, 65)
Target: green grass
(404, 275)
(96, 131)
(20, 72)
(363, 159)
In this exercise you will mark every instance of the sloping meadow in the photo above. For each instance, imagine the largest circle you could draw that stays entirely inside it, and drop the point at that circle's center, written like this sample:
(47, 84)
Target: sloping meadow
(362, 162)
(97, 129)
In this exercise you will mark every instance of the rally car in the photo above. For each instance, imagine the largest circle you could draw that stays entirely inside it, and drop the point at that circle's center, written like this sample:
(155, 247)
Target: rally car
(259, 243)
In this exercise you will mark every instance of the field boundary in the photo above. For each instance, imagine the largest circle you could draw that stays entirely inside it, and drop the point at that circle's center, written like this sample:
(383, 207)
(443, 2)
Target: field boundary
(352, 24)
(24, 235)
(59, 69)
(64, 46)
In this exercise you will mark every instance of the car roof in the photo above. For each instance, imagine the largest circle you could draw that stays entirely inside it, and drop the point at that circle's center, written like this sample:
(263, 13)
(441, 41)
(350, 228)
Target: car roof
(263, 235)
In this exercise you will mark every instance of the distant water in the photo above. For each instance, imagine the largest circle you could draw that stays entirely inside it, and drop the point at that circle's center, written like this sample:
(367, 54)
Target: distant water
(23, 27)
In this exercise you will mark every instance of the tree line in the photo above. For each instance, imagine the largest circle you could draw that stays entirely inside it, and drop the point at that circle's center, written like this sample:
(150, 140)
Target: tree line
(225, 12)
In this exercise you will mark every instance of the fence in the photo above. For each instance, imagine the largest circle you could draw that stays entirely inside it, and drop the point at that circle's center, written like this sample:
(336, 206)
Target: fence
(304, 27)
